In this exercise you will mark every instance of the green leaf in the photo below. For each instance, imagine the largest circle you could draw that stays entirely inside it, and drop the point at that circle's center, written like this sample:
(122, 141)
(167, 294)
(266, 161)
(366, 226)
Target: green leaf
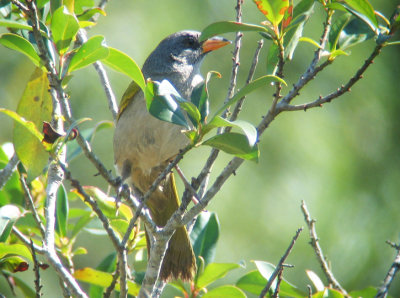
(225, 292)
(314, 278)
(204, 236)
(13, 263)
(35, 105)
(328, 293)
(213, 272)
(121, 62)
(20, 44)
(64, 27)
(363, 10)
(252, 86)
(272, 9)
(294, 31)
(80, 5)
(8, 216)
(161, 103)
(88, 14)
(92, 50)
(192, 112)
(73, 148)
(234, 143)
(108, 264)
(199, 95)
(103, 279)
(356, 31)
(249, 130)
(337, 27)
(15, 250)
(310, 41)
(62, 211)
(29, 125)
(369, 292)
(252, 282)
(82, 222)
(227, 27)
(272, 59)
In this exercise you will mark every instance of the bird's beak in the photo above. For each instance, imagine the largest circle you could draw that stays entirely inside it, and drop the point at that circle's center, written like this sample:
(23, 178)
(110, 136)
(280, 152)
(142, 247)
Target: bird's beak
(213, 44)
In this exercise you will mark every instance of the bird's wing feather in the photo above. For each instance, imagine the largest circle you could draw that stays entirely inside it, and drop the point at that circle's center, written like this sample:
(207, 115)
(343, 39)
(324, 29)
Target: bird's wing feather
(128, 96)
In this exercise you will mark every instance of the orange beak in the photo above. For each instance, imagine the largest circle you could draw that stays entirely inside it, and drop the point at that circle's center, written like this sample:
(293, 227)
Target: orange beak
(214, 43)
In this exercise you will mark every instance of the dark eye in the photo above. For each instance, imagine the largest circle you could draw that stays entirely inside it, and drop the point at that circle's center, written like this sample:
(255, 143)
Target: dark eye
(190, 43)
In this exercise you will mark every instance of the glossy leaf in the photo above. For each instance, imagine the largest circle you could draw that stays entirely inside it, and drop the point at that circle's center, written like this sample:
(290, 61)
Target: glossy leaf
(337, 27)
(314, 278)
(364, 10)
(272, 59)
(355, 31)
(204, 236)
(121, 62)
(103, 279)
(20, 44)
(192, 112)
(13, 263)
(199, 96)
(161, 103)
(294, 31)
(274, 10)
(234, 143)
(213, 272)
(88, 14)
(249, 130)
(16, 250)
(366, 293)
(62, 211)
(64, 27)
(252, 86)
(227, 27)
(252, 282)
(80, 5)
(8, 216)
(92, 50)
(108, 264)
(328, 293)
(35, 105)
(225, 292)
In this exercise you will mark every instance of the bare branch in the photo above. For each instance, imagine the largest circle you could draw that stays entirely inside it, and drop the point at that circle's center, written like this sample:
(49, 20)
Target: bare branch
(318, 250)
(7, 171)
(111, 287)
(26, 240)
(36, 269)
(394, 268)
(340, 91)
(280, 265)
(31, 205)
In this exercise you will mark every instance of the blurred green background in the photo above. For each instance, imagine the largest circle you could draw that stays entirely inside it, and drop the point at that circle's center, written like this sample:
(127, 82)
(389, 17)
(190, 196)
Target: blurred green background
(342, 159)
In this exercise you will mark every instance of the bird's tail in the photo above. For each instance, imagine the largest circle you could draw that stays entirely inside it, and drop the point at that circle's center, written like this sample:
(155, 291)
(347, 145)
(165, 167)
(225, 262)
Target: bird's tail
(179, 260)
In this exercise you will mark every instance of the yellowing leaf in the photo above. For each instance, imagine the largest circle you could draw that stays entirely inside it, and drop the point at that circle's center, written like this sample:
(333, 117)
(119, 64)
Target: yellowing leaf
(274, 10)
(35, 105)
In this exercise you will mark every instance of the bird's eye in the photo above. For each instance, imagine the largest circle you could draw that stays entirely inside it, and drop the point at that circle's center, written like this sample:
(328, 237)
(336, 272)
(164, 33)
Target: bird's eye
(190, 43)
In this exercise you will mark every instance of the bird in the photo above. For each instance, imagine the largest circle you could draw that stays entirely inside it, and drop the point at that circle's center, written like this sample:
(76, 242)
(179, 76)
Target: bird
(144, 145)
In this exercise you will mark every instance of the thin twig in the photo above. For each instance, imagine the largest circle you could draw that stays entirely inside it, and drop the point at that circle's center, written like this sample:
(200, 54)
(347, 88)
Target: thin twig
(111, 287)
(312, 70)
(394, 268)
(280, 265)
(105, 82)
(26, 240)
(30, 204)
(7, 171)
(278, 283)
(36, 269)
(318, 250)
(340, 91)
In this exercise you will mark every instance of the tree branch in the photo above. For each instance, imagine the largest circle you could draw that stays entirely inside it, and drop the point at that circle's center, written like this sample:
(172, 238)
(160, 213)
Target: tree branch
(7, 171)
(394, 268)
(318, 250)
(280, 265)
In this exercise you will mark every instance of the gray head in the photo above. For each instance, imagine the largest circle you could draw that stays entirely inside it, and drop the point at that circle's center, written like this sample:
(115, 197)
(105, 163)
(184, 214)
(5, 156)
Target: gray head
(178, 58)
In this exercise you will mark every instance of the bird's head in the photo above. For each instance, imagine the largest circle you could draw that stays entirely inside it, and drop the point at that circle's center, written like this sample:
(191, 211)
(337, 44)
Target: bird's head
(178, 57)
